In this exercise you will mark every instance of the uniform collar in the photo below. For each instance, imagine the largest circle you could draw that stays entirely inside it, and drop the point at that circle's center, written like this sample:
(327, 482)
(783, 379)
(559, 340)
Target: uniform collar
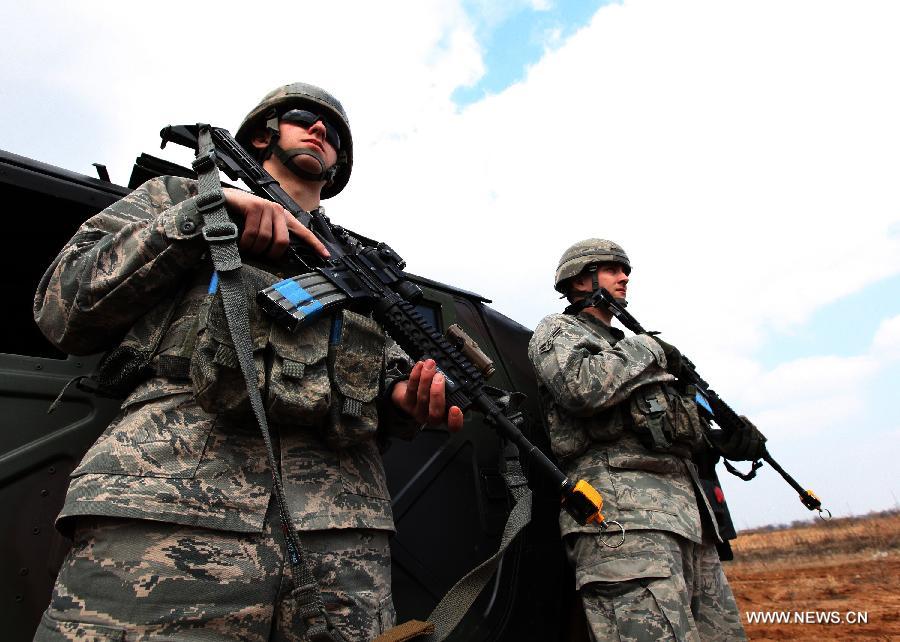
(596, 323)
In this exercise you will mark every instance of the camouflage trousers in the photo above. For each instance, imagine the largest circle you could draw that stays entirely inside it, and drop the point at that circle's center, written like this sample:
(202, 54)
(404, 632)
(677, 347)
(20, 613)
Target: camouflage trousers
(656, 586)
(141, 580)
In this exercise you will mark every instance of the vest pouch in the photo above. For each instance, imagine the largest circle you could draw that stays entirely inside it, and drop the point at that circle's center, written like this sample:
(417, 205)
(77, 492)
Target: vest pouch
(665, 420)
(299, 391)
(568, 438)
(357, 367)
(215, 371)
(651, 417)
(688, 426)
(130, 363)
(607, 425)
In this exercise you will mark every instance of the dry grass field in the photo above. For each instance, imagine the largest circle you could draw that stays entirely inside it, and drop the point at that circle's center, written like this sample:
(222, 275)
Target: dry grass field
(825, 578)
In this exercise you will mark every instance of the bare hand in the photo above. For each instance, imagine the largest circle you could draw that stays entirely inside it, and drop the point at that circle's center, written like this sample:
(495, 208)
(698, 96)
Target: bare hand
(422, 397)
(267, 225)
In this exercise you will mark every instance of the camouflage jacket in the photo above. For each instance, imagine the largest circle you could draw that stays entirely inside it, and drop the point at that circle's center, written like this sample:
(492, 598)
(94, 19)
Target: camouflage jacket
(167, 458)
(586, 374)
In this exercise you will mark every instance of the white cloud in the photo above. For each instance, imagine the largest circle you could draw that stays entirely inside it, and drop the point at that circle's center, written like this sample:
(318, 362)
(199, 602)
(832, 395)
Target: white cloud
(886, 343)
(744, 153)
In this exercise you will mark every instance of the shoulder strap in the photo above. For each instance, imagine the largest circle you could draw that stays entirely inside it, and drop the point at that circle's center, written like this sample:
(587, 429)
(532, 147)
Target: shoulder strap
(222, 234)
(456, 603)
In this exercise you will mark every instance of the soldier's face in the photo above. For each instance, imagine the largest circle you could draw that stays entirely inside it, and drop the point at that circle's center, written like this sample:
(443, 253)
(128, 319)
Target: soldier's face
(312, 138)
(609, 275)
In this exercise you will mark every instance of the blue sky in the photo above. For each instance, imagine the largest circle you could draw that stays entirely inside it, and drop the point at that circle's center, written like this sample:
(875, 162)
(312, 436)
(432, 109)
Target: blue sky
(844, 327)
(516, 36)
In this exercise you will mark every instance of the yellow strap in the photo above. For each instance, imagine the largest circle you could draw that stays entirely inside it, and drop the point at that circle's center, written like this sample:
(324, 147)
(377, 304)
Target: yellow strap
(406, 631)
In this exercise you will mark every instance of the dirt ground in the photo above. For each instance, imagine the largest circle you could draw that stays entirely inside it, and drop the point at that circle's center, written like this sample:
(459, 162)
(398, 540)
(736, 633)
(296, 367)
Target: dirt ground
(843, 572)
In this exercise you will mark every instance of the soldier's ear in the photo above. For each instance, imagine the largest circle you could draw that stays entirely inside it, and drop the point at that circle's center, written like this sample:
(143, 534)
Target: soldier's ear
(261, 138)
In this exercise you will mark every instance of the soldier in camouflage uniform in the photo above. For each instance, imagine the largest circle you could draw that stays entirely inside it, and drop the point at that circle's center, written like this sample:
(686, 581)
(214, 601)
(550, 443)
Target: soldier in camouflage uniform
(616, 420)
(176, 534)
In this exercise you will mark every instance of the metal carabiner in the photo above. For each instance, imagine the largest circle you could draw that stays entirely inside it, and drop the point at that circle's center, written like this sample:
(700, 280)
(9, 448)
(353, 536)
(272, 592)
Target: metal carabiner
(621, 541)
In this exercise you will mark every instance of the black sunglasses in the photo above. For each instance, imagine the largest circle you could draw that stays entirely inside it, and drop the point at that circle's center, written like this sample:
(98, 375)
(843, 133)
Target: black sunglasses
(308, 119)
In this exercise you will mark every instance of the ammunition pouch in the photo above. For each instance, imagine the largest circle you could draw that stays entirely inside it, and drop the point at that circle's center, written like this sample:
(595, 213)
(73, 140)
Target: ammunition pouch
(666, 420)
(327, 374)
(215, 372)
(132, 361)
(357, 359)
(570, 435)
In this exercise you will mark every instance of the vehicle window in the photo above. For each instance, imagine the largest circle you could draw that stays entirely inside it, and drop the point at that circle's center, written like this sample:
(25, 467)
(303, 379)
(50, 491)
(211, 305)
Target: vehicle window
(37, 226)
(431, 312)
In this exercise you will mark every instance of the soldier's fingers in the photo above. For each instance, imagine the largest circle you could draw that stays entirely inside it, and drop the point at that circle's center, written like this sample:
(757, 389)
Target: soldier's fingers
(455, 419)
(305, 235)
(280, 236)
(412, 386)
(264, 233)
(437, 403)
(423, 394)
(251, 228)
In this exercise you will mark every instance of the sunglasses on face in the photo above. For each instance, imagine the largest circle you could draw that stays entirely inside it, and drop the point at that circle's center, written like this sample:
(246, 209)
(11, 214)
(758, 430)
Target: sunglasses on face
(307, 119)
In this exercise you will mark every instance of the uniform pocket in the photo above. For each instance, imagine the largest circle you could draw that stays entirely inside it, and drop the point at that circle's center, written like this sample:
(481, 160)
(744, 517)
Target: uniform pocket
(162, 437)
(53, 629)
(299, 390)
(215, 371)
(358, 370)
(362, 471)
(647, 481)
(568, 438)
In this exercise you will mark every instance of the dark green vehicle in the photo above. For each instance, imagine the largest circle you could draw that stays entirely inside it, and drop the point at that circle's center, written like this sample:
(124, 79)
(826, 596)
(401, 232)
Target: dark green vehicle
(450, 502)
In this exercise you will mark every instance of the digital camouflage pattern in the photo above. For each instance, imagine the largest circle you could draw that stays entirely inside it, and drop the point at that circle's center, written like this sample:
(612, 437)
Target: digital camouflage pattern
(655, 587)
(117, 268)
(224, 586)
(584, 377)
(168, 461)
(587, 375)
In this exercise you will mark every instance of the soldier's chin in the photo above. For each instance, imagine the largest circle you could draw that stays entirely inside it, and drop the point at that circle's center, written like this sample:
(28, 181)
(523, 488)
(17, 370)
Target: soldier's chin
(621, 300)
(311, 161)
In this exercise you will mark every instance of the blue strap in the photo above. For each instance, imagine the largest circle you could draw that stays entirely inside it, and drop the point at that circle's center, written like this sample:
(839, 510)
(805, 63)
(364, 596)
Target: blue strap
(292, 291)
(213, 283)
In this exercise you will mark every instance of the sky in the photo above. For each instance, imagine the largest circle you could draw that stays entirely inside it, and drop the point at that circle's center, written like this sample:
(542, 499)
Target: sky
(745, 154)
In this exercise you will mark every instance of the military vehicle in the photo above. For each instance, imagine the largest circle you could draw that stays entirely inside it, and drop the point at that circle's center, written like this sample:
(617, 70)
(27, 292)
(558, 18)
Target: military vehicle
(449, 499)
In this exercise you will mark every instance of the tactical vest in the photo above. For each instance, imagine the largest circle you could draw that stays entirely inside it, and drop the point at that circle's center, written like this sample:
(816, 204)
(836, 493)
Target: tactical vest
(662, 416)
(327, 375)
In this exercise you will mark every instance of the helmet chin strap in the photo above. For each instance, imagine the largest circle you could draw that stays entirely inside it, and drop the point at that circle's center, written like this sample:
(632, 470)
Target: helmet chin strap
(582, 301)
(286, 156)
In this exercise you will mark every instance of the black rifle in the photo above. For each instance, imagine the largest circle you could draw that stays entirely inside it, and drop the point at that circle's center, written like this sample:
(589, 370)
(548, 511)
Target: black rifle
(711, 405)
(370, 276)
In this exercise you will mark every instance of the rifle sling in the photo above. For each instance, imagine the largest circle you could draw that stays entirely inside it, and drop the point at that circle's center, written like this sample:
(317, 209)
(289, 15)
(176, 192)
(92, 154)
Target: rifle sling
(457, 601)
(221, 234)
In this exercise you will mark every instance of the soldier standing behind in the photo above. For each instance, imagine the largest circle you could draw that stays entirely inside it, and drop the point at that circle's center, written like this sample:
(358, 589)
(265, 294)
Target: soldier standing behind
(176, 532)
(616, 418)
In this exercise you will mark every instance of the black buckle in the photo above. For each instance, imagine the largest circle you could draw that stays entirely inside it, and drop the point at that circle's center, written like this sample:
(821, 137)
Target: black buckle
(205, 163)
(210, 200)
(220, 232)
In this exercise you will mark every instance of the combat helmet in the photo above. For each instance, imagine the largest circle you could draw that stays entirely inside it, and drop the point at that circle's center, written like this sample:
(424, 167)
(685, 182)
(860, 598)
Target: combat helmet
(585, 253)
(303, 96)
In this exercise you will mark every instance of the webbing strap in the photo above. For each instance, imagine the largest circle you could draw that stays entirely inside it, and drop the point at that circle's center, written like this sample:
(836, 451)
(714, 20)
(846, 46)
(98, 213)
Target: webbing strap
(221, 234)
(456, 603)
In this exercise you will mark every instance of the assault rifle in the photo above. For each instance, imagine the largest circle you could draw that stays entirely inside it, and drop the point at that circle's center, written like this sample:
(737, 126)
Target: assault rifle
(711, 405)
(370, 276)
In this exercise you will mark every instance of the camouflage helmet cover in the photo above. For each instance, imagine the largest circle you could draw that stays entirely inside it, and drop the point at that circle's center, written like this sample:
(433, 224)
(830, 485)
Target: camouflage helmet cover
(584, 253)
(305, 96)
